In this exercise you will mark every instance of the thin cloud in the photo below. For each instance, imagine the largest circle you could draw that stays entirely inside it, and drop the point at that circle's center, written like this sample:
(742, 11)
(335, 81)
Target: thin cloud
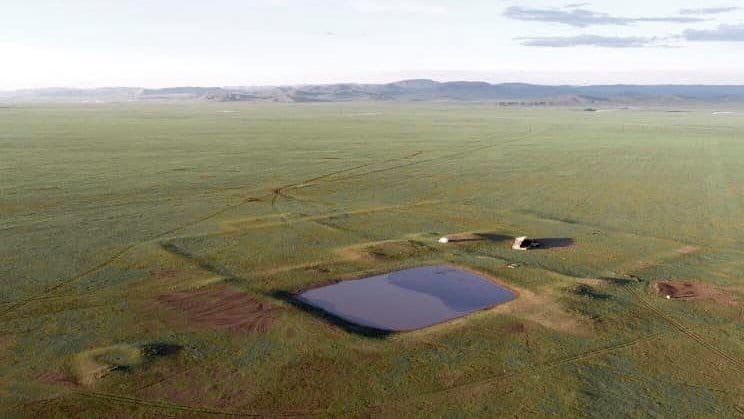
(398, 7)
(724, 33)
(583, 18)
(589, 41)
(709, 11)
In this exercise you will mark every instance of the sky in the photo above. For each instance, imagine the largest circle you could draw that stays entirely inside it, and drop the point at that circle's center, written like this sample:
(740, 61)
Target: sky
(162, 43)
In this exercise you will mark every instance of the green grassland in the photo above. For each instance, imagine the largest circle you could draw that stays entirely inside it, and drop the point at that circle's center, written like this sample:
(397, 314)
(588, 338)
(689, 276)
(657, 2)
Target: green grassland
(105, 209)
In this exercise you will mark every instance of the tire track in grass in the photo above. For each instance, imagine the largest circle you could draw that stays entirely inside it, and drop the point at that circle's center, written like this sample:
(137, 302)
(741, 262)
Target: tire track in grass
(447, 392)
(118, 255)
(686, 331)
(133, 401)
(280, 191)
(14, 306)
(496, 379)
(433, 159)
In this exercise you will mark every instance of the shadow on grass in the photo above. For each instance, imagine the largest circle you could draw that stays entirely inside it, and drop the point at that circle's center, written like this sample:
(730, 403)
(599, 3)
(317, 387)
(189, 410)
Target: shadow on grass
(587, 291)
(330, 318)
(199, 261)
(159, 349)
(491, 237)
(621, 282)
(554, 243)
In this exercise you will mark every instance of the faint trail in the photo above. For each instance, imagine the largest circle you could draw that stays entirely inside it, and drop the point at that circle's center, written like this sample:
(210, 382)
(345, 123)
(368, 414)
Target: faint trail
(687, 331)
(279, 192)
(12, 307)
(447, 392)
(445, 157)
(454, 391)
(193, 409)
(308, 219)
(118, 255)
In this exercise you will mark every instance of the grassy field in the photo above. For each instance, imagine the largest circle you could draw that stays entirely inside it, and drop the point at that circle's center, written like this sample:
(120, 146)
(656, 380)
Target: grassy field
(147, 251)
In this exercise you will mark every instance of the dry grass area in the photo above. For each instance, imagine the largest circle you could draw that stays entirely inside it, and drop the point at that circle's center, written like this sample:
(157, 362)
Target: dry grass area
(386, 250)
(541, 308)
(57, 378)
(90, 366)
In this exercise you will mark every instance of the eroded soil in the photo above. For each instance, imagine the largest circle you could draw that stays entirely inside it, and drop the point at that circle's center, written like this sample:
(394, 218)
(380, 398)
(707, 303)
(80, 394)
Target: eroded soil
(220, 308)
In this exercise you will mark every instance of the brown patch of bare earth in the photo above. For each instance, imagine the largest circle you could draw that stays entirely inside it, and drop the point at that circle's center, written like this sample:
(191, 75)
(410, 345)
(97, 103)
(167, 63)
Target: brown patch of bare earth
(686, 250)
(690, 290)
(541, 309)
(221, 308)
(57, 377)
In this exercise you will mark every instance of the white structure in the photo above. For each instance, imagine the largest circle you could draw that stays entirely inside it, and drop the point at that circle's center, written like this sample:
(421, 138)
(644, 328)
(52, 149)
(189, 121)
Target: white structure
(523, 243)
(444, 240)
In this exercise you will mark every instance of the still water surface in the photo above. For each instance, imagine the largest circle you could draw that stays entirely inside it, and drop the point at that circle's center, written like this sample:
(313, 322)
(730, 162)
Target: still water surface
(409, 299)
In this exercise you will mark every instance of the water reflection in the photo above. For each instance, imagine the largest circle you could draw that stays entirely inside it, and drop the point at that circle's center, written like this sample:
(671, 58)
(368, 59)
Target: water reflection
(409, 299)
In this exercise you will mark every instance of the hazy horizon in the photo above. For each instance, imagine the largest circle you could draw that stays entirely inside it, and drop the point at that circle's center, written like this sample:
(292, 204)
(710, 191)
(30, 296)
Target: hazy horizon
(84, 44)
(382, 82)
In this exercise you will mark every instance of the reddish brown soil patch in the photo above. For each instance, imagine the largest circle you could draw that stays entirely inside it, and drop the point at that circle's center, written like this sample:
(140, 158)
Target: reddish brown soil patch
(691, 290)
(678, 290)
(222, 309)
(56, 377)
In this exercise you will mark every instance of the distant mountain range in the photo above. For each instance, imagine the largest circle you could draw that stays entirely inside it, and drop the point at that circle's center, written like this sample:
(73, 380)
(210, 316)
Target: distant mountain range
(402, 91)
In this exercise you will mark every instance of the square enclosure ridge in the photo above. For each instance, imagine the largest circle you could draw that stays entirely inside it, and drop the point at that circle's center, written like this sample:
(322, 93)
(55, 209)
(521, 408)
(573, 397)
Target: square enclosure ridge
(409, 299)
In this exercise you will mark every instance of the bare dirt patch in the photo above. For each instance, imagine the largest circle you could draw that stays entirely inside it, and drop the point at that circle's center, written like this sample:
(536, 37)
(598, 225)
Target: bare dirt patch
(221, 308)
(88, 367)
(541, 309)
(678, 290)
(57, 377)
(686, 250)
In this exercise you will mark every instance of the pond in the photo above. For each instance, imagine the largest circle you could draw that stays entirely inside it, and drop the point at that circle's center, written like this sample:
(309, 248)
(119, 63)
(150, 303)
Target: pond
(409, 299)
